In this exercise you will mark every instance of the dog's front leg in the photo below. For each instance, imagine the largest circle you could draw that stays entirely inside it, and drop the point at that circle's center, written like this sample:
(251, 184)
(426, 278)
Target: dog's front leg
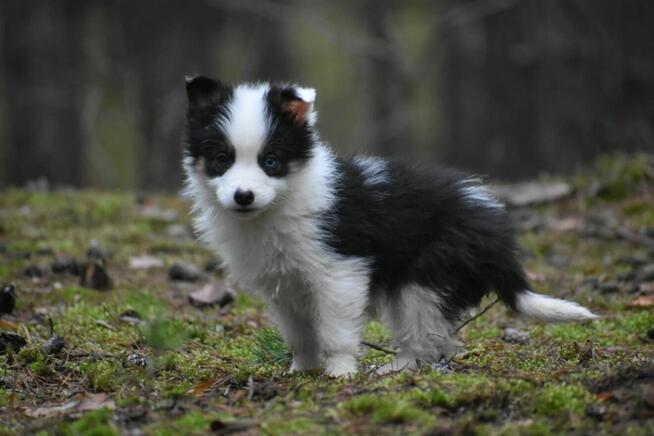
(298, 332)
(341, 300)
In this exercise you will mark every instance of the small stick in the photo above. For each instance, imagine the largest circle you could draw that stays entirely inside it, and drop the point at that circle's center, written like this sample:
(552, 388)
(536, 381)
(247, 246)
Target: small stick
(51, 326)
(250, 388)
(387, 351)
(378, 347)
(497, 300)
(635, 238)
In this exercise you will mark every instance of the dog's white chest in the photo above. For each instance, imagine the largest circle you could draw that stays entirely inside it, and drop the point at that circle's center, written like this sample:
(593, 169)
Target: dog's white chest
(267, 257)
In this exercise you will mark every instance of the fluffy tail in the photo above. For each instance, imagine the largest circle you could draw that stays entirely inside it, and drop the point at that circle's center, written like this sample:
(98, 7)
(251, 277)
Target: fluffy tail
(545, 308)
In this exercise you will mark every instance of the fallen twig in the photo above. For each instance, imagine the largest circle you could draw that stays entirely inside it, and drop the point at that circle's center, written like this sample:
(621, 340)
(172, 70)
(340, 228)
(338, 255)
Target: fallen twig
(387, 351)
(630, 236)
(484, 310)
(93, 355)
(378, 347)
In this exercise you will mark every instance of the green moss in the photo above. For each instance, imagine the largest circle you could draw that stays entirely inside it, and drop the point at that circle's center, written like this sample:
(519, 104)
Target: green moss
(4, 365)
(270, 349)
(497, 388)
(457, 390)
(621, 175)
(535, 243)
(189, 366)
(554, 399)
(5, 398)
(622, 328)
(376, 332)
(95, 423)
(526, 428)
(194, 422)
(171, 361)
(483, 331)
(41, 368)
(434, 397)
(643, 428)
(245, 303)
(145, 304)
(164, 334)
(72, 294)
(104, 376)
(292, 426)
(637, 207)
(30, 354)
(384, 409)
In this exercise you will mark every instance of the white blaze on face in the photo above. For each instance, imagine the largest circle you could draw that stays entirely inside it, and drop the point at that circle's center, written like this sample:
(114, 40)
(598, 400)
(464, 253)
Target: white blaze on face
(249, 124)
(247, 129)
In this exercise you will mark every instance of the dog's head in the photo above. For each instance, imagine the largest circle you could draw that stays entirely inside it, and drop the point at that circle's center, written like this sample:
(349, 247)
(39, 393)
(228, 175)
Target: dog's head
(246, 141)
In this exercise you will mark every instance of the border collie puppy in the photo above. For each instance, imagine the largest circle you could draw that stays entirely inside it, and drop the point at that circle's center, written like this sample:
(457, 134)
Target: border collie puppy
(327, 242)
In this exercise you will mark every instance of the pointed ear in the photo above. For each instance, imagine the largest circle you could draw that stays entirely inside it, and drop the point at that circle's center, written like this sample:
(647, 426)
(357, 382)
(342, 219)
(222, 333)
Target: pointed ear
(298, 103)
(204, 95)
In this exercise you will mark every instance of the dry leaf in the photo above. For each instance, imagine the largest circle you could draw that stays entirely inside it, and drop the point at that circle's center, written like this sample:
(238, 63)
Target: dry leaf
(153, 211)
(145, 262)
(94, 402)
(565, 224)
(643, 301)
(211, 293)
(605, 396)
(79, 403)
(105, 324)
(526, 193)
(201, 388)
(7, 325)
(535, 276)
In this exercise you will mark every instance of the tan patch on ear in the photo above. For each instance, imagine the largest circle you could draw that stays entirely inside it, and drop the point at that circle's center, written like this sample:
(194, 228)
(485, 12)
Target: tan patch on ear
(298, 110)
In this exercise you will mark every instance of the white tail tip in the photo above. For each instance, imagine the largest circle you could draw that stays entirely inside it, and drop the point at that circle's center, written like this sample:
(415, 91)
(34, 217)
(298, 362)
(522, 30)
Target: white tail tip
(546, 308)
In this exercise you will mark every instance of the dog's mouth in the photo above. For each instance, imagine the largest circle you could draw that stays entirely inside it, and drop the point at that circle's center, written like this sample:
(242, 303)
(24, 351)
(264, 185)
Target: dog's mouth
(246, 212)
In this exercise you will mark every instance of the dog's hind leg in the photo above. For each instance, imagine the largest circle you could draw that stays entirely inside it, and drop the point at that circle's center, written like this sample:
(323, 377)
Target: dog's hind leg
(418, 328)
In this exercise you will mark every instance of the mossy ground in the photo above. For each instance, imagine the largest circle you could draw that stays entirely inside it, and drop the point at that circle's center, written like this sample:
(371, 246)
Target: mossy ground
(211, 368)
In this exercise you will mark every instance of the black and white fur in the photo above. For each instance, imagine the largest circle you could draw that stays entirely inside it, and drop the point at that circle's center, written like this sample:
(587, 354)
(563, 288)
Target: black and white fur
(327, 242)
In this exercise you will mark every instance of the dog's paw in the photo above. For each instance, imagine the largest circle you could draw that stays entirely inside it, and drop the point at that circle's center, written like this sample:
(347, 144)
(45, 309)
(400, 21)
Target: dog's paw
(399, 364)
(341, 366)
(299, 366)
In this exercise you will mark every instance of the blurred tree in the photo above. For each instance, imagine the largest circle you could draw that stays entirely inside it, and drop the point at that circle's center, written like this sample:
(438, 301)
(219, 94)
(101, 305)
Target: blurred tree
(93, 91)
(163, 43)
(546, 85)
(41, 61)
(268, 39)
(388, 86)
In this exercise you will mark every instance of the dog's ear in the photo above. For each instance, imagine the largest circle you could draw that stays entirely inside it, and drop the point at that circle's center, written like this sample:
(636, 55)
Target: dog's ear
(298, 103)
(204, 96)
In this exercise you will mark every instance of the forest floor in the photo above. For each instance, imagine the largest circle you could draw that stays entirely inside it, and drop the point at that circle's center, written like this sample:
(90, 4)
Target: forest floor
(138, 357)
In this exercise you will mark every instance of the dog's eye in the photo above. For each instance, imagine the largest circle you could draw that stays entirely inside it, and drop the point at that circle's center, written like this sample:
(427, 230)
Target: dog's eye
(271, 162)
(220, 160)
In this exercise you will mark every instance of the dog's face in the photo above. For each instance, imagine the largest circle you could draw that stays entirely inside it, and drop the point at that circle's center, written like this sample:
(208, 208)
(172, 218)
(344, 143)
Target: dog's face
(247, 141)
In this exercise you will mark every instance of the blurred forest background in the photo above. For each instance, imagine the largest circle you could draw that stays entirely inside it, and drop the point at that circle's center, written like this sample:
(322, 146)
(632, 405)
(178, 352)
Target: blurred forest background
(92, 91)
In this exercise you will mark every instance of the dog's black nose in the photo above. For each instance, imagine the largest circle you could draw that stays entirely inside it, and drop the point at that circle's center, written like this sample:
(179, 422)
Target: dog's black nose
(243, 198)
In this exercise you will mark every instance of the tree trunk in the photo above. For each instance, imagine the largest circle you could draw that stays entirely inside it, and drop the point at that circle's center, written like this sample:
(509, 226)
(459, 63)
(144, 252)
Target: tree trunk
(161, 49)
(388, 89)
(41, 63)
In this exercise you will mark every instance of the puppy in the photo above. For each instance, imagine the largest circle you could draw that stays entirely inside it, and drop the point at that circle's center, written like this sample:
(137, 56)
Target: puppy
(328, 242)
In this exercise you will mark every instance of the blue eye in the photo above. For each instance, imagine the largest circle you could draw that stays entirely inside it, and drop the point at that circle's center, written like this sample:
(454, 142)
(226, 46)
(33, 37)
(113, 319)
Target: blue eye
(271, 162)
